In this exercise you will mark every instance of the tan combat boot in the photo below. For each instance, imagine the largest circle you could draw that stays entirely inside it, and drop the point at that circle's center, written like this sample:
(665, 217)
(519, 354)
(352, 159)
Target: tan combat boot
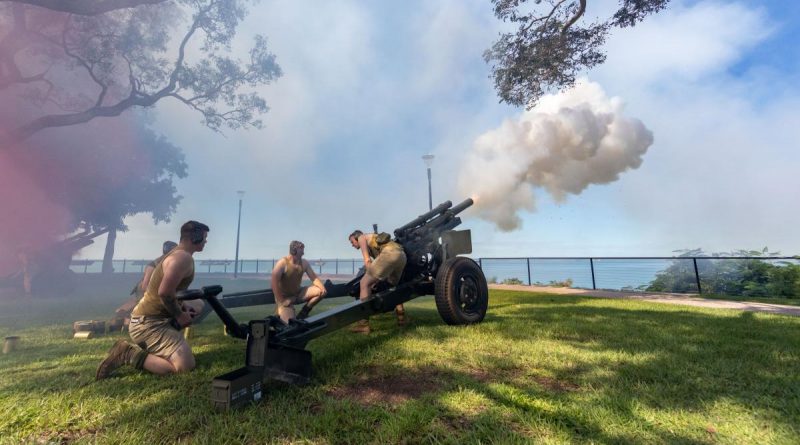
(120, 354)
(400, 312)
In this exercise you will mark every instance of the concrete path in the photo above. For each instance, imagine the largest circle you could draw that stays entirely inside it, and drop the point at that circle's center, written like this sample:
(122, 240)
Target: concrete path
(682, 299)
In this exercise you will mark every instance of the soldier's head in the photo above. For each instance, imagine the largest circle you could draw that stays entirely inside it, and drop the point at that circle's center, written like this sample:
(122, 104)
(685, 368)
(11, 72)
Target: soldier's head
(296, 248)
(194, 234)
(168, 246)
(354, 238)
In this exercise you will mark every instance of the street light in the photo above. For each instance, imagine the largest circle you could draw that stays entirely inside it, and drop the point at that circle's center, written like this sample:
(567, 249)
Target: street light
(238, 226)
(428, 162)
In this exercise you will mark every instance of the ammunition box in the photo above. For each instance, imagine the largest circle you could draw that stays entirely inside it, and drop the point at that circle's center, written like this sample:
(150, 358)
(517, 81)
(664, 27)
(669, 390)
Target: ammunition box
(237, 388)
(94, 326)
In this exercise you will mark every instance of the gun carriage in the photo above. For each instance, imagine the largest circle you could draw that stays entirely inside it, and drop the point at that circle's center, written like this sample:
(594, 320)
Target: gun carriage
(277, 351)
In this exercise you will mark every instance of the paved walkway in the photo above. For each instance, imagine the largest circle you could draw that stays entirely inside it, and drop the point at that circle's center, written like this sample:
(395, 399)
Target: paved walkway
(682, 299)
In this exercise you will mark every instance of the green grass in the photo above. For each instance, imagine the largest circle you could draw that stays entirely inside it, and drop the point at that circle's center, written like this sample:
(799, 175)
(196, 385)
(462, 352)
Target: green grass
(539, 369)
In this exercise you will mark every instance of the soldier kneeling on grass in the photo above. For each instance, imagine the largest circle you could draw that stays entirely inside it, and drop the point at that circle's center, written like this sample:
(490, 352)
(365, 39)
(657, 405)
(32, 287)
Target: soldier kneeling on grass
(384, 260)
(159, 345)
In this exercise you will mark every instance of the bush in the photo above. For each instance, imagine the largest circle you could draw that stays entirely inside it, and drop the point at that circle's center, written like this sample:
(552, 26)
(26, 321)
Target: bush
(565, 283)
(750, 277)
(512, 281)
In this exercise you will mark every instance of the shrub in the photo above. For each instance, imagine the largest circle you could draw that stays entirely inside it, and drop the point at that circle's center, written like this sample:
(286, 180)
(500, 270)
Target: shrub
(565, 283)
(751, 277)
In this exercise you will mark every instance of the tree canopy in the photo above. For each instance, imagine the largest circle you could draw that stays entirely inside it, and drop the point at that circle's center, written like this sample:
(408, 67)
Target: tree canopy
(93, 176)
(552, 44)
(749, 276)
(66, 62)
(87, 7)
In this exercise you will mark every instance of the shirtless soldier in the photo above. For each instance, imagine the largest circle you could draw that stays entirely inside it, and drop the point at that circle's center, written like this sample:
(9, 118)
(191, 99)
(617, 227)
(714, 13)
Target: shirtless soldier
(122, 315)
(383, 261)
(157, 319)
(286, 278)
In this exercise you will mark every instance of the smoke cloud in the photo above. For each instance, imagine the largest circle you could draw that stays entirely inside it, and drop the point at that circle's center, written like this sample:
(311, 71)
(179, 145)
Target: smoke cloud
(567, 142)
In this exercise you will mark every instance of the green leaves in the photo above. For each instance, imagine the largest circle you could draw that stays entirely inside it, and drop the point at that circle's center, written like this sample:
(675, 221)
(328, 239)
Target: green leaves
(100, 65)
(550, 48)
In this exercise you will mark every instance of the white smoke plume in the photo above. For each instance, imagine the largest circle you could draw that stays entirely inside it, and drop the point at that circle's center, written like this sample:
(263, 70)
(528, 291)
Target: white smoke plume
(567, 142)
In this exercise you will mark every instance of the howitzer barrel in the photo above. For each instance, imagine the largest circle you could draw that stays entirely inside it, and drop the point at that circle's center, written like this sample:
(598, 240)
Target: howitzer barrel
(425, 217)
(462, 206)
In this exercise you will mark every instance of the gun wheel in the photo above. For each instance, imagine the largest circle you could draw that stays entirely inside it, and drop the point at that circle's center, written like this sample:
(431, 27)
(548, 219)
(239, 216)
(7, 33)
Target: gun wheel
(461, 293)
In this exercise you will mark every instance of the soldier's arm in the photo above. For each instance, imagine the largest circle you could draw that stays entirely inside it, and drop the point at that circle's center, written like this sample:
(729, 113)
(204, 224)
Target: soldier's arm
(148, 272)
(176, 268)
(362, 243)
(277, 272)
(315, 281)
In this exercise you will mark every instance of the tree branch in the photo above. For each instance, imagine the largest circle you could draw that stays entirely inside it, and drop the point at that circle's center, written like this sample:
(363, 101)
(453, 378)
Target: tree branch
(546, 18)
(173, 78)
(83, 63)
(86, 7)
(62, 120)
(105, 46)
(578, 15)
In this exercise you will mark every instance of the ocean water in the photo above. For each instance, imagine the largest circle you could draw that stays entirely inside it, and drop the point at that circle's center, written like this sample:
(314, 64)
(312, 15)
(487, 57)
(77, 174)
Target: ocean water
(609, 273)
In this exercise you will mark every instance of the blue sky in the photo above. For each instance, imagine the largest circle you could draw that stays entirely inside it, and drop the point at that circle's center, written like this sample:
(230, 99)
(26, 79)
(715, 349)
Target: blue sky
(369, 87)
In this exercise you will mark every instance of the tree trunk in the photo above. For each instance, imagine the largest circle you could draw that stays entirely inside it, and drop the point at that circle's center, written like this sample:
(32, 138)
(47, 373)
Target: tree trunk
(108, 258)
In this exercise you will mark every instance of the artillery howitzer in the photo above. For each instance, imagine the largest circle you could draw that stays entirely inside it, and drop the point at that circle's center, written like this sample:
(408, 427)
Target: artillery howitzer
(277, 351)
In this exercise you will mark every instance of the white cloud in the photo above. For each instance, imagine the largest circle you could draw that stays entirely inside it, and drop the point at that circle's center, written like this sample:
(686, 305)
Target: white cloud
(722, 167)
(369, 87)
(684, 43)
(566, 143)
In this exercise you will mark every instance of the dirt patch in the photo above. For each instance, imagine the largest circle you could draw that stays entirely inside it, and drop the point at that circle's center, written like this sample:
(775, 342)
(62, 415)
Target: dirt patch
(64, 437)
(555, 385)
(521, 377)
(504, 375)
(376, 386)
(456, 424)
(574, 337)
(482, 375)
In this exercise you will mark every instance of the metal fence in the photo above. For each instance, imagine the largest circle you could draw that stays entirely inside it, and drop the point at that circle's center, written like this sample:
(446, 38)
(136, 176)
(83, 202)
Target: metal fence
(777, 276)
(336, 266)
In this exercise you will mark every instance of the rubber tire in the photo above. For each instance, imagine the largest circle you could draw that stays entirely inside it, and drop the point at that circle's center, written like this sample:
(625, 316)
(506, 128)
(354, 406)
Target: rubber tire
(455, 275)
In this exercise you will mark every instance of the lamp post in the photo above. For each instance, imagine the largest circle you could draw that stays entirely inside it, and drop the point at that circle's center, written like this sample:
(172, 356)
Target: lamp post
(238, 227)
(428, 158)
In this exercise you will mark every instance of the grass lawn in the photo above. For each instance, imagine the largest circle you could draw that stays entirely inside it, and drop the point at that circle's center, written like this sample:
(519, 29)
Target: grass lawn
(539, 369)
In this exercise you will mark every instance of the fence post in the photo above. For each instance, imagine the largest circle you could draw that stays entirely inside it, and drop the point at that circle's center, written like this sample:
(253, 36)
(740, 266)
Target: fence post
(697, 276)
(354, 267)
(480, 263)
(337, 266)
(320, 266)
(256, 265)
(85, 266)
(529, 270)
(591, 264)
(123, 266)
